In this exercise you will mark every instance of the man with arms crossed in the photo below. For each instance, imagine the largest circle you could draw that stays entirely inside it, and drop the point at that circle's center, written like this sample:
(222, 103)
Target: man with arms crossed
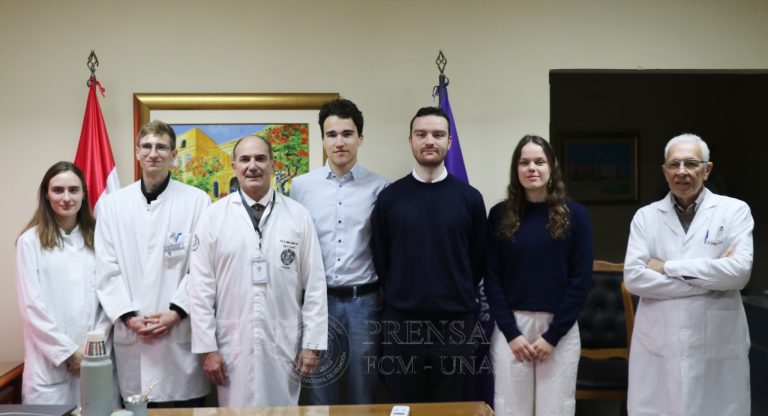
(688, 256)
(340, 196)
(143, 238)
(257, 288)
(428, 236)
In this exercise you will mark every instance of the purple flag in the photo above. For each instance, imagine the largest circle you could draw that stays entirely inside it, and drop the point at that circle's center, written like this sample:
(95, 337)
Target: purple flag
(454, 160)
(480, 385)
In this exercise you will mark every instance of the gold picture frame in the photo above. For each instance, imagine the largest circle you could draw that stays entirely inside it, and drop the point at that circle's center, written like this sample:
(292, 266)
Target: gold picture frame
(206, 103)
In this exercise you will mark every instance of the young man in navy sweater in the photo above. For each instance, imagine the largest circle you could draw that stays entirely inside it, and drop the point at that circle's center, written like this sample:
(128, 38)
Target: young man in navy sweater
(428, 236)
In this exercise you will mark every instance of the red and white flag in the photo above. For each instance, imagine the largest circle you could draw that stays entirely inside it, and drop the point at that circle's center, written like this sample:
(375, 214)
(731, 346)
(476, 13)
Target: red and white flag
(94, 154)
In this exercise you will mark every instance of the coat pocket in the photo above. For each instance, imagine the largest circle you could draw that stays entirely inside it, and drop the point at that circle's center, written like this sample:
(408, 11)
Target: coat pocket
(46, 374)
(176, 249)
(183, 332)
(228, 339)
(123, 335)
(650, 327)
(725, 335)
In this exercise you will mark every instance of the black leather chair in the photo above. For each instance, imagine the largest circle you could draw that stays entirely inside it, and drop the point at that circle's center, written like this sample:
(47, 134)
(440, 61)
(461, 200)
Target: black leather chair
(605, 325)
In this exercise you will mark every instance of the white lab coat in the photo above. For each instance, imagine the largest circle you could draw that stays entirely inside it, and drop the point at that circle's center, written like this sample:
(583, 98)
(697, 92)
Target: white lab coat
(142, 253)
(690, 342)
(58, 304)
(256, 327)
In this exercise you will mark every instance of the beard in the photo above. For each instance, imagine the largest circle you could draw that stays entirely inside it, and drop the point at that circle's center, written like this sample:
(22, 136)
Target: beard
(430, 162)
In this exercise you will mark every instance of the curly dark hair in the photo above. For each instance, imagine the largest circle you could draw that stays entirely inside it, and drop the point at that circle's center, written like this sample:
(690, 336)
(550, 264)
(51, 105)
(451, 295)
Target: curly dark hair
(559, 220)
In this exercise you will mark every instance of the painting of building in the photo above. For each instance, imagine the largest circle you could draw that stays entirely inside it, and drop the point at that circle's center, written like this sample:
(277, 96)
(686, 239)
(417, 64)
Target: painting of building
(204, 157)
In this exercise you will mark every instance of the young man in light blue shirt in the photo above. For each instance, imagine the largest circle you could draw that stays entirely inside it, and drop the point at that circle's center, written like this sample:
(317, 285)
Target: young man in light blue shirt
(340, 197)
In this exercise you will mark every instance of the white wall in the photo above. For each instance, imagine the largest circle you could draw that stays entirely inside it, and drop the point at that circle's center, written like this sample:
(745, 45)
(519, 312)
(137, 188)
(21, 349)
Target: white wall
(378, 53)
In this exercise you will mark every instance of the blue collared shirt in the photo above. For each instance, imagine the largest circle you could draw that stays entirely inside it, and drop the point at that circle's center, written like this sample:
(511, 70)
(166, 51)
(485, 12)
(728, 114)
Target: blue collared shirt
(341, 210)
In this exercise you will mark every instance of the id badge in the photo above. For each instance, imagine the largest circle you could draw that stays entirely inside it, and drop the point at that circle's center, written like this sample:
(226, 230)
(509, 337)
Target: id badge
(259, 274)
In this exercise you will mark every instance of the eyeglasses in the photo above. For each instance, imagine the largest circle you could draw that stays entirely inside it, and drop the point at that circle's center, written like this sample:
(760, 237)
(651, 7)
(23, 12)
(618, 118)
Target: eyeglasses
(160, 148)
(688, 164)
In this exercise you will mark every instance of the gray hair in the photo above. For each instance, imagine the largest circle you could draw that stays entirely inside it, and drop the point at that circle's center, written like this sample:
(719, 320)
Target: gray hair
(688, 138)
(263, 139)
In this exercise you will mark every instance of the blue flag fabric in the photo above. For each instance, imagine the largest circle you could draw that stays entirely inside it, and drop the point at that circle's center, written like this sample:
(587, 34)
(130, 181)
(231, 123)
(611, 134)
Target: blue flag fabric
(480, 383)
(454, 160)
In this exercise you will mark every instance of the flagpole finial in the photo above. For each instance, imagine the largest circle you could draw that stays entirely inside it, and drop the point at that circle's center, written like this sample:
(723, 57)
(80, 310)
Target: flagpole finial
(441, 61)
(92, 64)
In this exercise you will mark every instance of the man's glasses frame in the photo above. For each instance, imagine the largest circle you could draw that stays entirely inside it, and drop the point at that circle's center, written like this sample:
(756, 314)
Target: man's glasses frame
(688, 164)
(160, 148)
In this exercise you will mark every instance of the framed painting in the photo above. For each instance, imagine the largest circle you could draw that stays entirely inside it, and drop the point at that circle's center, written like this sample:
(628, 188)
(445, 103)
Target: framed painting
(208, 125)
(599, 167)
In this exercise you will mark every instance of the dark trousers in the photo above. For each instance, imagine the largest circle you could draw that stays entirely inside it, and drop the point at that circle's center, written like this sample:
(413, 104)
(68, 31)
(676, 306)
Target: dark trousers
(426, 360)
(198, 402)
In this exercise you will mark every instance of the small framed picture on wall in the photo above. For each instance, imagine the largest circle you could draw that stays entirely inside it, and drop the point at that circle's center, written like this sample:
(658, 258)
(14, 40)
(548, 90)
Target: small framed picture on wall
(600, 167)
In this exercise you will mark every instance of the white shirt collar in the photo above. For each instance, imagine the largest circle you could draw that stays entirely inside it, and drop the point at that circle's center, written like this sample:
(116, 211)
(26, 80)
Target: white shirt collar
(438, 179)
(264, 201)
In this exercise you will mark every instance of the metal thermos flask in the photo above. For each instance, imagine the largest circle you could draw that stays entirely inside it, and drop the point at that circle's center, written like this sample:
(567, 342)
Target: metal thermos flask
(96, 377)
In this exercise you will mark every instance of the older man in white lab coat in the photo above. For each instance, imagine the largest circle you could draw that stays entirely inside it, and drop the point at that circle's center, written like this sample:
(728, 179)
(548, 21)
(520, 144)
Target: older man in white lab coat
(688, 256)
(254, 254)
(143, 238)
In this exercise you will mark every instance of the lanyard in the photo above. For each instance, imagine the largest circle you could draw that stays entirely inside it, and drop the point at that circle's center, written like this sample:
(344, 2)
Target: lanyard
(253, 217)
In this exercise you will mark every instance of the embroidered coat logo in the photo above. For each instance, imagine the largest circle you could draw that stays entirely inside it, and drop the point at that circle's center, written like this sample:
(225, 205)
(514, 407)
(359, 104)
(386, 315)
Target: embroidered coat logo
(288, 256)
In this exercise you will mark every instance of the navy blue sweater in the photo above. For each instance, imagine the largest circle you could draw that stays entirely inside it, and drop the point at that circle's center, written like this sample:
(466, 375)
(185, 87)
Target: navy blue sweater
(427, 246)
(534, 272)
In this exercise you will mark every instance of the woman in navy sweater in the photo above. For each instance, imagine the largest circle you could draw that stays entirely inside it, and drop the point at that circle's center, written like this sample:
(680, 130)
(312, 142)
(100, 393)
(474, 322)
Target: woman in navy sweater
(538, 275)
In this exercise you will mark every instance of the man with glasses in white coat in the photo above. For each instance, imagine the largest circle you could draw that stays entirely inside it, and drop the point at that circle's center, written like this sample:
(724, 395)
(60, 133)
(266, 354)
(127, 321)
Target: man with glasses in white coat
(143, 238)
(688, 256)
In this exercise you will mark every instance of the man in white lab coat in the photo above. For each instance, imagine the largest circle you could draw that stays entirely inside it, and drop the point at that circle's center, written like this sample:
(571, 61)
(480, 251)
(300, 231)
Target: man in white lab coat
(143, 239)
(688, 256)
(257, 291)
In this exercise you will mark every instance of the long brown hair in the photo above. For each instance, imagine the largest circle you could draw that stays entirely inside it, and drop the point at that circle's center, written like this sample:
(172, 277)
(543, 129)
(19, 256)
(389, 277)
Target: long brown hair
(559, 221)
(44, 218)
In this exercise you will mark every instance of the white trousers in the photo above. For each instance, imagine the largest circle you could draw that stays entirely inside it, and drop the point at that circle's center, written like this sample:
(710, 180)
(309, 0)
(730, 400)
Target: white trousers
(537, 388)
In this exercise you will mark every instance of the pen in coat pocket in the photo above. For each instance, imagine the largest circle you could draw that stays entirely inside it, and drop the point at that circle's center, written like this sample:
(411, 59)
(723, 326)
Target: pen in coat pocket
(716, 238)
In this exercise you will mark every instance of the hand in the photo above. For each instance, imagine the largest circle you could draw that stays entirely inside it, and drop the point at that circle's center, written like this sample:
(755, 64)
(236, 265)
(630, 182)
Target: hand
(543, 349)
(74, 360)
(135, 324)
(522, 350)
(656, 265)
(728, 252)
(159, 324)
(307, 362)
(214, 368)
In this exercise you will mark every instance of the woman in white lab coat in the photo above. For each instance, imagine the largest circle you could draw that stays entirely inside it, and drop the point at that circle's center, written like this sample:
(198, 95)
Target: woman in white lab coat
(55, 274)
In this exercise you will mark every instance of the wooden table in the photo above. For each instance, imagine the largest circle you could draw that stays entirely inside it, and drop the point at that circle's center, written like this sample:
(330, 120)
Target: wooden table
(418, 409)
(10, 381)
